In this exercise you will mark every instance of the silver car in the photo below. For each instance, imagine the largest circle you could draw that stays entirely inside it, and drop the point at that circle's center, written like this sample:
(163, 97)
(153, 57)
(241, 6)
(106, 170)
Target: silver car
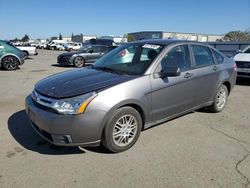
(131, 88)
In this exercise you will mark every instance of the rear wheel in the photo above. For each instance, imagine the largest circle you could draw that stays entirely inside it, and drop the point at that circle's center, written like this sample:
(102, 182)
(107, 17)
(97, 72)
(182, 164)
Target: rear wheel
(79, 61)
(122, 130)
(220, 100)
(25, 54)
(10, 63)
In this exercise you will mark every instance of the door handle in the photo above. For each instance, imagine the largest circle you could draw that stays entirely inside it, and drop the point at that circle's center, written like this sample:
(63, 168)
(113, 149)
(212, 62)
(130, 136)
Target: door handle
(188, 75)
(215, 68)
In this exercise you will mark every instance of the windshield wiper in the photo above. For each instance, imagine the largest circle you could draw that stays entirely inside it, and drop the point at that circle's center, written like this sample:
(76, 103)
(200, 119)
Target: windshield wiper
(107, 69)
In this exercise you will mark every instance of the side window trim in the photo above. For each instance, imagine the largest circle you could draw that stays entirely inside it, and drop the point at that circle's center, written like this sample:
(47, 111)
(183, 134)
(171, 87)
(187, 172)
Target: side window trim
(191, 55)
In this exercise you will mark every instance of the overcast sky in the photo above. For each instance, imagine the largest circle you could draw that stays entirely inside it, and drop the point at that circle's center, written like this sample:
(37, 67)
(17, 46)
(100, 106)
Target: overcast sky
(46, 18)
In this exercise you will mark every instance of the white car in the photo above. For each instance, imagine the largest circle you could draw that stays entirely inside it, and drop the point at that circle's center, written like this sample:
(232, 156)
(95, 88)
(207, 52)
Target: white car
(42, 45)
(242, 61)
(28, 50)
(75, 46)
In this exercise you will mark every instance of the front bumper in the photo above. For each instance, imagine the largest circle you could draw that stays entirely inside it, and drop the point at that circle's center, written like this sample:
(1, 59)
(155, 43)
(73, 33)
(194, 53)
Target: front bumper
(65, 130)
(64, 60)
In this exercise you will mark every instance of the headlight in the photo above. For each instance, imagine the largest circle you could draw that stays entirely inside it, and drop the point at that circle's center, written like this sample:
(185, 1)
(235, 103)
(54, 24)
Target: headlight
(74, 105)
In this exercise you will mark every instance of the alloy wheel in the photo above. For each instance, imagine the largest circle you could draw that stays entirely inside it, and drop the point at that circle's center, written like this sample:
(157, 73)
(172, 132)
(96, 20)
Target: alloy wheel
(125, 130)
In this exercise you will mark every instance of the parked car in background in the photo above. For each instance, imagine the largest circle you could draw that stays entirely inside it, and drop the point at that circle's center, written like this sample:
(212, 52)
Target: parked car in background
(242, 60)
(28, 51)
(42, 46)
(52, 44)
(10, 56)
(111, 101)
(75, 46)
(85, 55)
(107, 42)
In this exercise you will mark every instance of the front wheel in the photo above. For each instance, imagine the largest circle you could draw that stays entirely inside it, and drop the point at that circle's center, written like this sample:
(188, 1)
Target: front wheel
(79, 61)
(10, 63)
(122, 130)
(25, 54)
(220, 100)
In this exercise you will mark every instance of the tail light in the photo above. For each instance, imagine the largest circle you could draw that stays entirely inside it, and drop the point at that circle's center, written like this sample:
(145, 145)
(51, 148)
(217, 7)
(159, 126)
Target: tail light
(235, 67)
(122, 53)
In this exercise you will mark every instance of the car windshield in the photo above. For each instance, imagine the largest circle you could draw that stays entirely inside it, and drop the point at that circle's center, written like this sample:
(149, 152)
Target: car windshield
(132, 59)
(247, 51)
(85, 48)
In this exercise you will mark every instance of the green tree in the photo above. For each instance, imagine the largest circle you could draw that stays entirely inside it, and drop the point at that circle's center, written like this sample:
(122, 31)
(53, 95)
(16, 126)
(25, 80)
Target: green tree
(60, 36)
(25, 38)
(237, 36)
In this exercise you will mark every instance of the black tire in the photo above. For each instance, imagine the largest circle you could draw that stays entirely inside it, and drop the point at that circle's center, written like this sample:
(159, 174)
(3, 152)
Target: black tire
(108, 137)
(218, 104)
(25, 54)
(10, 63)
(79, 61)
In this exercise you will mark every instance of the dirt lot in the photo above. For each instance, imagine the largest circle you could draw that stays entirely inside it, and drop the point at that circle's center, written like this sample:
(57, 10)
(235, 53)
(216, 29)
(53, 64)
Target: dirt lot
(196, 150)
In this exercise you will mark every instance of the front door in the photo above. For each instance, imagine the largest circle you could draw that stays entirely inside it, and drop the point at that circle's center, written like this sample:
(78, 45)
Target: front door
(173, 95)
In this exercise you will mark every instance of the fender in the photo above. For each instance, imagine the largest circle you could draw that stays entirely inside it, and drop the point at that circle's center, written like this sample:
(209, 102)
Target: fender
(10, 54)
(128, 102)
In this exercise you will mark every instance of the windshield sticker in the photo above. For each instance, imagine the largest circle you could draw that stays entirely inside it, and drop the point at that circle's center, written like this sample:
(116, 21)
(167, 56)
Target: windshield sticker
(151, 46)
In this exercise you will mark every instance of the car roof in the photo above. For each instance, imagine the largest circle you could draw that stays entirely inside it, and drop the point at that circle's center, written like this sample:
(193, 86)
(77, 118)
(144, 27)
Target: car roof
(164, 42)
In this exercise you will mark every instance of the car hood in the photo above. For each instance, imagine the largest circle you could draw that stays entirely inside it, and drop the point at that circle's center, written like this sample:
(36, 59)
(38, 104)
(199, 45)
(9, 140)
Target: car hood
(242, 57)
(78, 82)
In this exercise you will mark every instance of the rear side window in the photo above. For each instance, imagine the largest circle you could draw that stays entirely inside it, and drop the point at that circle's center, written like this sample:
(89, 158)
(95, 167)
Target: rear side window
(218, 57)
(202, 55)
(177, 57)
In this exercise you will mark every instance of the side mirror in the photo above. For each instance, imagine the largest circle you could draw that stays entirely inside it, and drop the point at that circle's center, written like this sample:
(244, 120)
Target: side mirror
(239, 51)
(91, 51)
(169, 72)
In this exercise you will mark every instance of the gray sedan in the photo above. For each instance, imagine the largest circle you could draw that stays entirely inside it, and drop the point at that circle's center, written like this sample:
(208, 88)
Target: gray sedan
(87, 54)
(131, 88)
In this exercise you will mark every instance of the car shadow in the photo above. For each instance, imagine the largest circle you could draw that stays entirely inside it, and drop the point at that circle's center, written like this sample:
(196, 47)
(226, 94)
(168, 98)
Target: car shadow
(62, 66)
(243, 81)
(20, 129)
(23, 133)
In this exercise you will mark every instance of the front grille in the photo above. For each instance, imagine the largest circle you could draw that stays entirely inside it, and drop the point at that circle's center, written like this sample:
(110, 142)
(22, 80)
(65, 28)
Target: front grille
(63, 59)
(43, 102)
(243, 74)
(243, 64)
(45, 108)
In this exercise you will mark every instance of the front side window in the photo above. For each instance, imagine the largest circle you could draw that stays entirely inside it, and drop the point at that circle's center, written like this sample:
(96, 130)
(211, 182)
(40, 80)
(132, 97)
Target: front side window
(98, 49)
(177, 57)
(131, 59)
(85, 49)
(202, 55)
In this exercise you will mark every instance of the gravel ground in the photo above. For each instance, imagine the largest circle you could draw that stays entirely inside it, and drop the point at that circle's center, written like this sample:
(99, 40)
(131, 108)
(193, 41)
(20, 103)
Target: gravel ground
(196, 150)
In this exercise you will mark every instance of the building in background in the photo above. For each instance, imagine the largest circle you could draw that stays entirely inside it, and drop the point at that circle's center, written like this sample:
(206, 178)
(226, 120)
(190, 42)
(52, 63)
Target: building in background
(173, 35)
(66, 38)
(116, 39)
(82, 38)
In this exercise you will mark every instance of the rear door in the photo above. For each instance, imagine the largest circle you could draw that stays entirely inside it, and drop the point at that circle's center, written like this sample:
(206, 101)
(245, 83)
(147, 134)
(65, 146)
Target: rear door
(173, 95)
(206, 74)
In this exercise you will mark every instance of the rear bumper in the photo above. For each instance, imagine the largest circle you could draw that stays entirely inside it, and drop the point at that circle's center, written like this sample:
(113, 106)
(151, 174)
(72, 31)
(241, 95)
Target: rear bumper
(65, 130)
